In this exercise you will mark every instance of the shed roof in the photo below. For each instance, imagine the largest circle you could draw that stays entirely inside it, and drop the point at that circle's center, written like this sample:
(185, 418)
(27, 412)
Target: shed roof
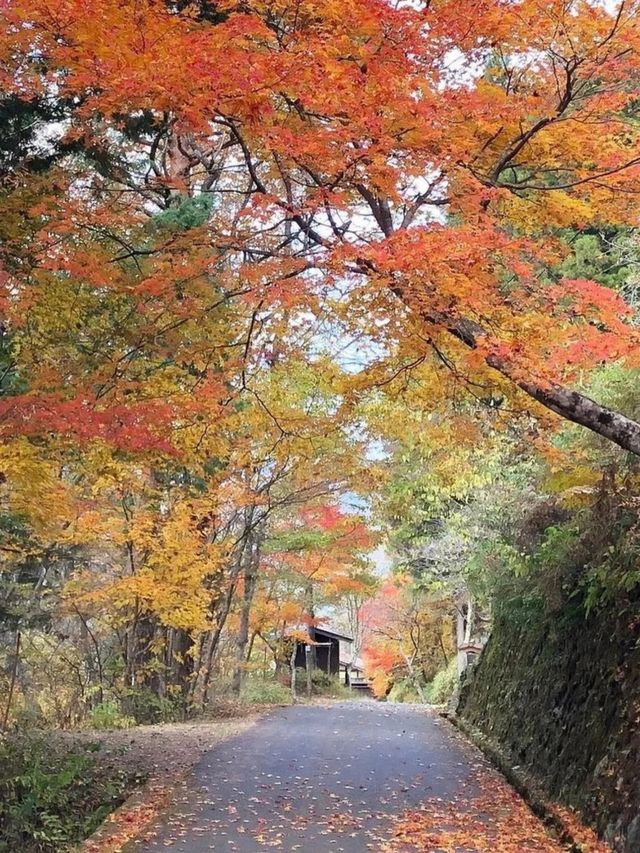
(333, 635)
(319, 630)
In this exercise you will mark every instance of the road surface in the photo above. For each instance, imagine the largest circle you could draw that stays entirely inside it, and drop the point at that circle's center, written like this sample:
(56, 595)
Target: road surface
(347, 777)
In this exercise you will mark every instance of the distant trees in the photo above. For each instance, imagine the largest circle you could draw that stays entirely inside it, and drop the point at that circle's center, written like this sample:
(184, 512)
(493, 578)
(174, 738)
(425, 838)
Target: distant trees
(408, 637)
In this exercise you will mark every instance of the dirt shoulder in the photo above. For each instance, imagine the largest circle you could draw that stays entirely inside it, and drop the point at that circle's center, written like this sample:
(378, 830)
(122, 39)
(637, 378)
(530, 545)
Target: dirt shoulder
(158, 750)
(159, 756)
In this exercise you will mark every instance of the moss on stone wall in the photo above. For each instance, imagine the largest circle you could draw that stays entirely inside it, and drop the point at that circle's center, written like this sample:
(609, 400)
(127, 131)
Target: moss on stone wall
(560, 693)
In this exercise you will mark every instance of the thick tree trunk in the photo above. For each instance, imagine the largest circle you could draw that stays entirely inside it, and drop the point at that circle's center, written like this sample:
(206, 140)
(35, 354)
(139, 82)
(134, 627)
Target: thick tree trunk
(139, 655)
(569, 404)
(582, 410)
(180, 663)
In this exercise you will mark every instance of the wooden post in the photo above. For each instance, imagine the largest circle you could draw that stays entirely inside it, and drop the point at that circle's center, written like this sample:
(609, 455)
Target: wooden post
(293, 671)
(308, 660)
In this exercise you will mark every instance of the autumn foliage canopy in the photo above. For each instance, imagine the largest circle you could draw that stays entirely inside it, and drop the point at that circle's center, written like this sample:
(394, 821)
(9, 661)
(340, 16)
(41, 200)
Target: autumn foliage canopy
(424, 160)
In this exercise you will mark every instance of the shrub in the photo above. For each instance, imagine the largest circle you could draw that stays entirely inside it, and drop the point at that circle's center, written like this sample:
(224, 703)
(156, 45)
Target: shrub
(322, 684)
(50, 800)
(444, 683)
(331, 687)
(403, 691)
(321, 681)
(145, 707)
(108, 715)
(265, 692)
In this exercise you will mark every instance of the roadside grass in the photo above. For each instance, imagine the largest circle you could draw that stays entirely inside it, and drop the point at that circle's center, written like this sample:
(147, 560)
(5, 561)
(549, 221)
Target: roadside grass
(52, 797)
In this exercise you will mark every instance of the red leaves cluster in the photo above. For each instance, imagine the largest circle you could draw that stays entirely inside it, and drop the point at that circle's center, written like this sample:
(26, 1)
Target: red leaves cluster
(131, 428)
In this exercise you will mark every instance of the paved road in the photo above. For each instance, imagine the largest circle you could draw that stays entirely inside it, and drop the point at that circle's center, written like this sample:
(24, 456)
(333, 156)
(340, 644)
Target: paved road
(323, 779)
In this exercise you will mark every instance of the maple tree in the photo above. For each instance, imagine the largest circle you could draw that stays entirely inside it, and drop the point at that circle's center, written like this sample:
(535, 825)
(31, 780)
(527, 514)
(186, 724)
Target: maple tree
(428, 145)
(311, 559)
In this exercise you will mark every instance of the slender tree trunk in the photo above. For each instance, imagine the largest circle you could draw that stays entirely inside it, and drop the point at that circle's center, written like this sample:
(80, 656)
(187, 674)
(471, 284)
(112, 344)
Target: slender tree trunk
(252, 640)
(443, 650)
(214, 641)
(413, 678)
(94, 662)
(12, 683)
(196, 673)
(131, 649)
(251, 566)
(468, 629)
(310, 604)
(223, 612)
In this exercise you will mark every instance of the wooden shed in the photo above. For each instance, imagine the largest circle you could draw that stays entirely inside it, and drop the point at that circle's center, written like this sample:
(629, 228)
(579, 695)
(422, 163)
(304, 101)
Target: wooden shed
(329, 649)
